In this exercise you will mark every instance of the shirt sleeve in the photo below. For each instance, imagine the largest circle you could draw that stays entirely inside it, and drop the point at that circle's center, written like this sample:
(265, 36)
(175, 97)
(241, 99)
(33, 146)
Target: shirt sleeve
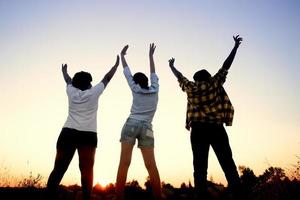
(220, 76)
(186, 85)
(154, 82)
(70, 89)
(99, 88)
(133, 86)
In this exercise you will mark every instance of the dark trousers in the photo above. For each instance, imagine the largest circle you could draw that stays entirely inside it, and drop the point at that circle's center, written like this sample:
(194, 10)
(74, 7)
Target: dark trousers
(202, 136)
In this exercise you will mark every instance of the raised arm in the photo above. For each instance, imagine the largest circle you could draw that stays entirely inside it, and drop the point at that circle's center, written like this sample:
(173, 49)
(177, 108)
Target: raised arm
(111, 73)
(174, 70)
(151, 52)
(64, 69)
(227, 63)
(123, 53)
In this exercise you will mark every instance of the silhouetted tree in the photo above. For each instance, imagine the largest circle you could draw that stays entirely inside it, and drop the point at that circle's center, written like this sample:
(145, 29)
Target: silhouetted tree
(296, 170)
(134, 184)
(272, 174)
(148, 185)
(133, 191)
(110, 188)
(248, 180)
(248, 177)
(183, 186)
(190, 185)
(273, 184)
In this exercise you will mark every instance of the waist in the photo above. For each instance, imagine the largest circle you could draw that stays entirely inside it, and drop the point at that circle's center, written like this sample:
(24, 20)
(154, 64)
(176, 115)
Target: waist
(142, 117)
(135, 120)
(138, 122)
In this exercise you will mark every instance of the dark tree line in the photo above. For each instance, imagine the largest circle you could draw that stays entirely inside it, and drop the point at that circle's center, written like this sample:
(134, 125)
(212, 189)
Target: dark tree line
(272, 184)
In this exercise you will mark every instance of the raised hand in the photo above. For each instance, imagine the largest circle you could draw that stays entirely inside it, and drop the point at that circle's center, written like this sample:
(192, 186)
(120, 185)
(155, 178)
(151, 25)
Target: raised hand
(174, 70)
(237, 40)
(66, 76)
(227, 63)
(124, 50)
(110, 73)
(152, 49)
(171, 62)
(64, 67)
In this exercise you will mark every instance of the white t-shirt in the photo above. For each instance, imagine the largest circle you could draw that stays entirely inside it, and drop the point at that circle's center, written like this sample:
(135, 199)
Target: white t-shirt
(83, 106)
(144, 102)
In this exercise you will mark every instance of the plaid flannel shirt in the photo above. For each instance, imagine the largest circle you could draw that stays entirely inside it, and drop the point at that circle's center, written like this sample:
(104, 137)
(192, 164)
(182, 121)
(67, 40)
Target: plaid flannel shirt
(207, 101)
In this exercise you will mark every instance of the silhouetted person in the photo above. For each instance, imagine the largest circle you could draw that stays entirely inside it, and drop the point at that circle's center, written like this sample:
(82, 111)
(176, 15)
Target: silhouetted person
(80, 130)
(208, 108)
(139, 125)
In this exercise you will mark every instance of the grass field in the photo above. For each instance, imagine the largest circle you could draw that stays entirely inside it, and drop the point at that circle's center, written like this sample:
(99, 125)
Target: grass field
(273, 184)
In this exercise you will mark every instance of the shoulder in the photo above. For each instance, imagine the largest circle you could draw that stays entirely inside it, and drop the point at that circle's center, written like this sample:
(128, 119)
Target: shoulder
(99, 88)
(70, 88)
(220, 76)
(222, 72)
(184, 81)
(154, 78)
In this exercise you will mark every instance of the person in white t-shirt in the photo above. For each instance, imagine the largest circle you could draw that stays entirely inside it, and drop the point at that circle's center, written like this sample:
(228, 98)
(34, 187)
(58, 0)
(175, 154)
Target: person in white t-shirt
(80, 130)
(139, 125)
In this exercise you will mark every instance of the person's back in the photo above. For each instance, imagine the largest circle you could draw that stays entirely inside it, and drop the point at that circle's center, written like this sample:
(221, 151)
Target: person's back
(207, 99)
(138, 125)
(83, 106)
(144, 100)
(208, 108)
(79, 131)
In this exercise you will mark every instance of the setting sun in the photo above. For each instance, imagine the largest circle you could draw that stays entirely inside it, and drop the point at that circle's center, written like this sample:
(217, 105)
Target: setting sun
(102, 183)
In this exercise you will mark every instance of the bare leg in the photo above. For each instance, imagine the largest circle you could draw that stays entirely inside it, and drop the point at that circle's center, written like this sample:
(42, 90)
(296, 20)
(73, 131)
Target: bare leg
(86, 164)
(149, 160)
(62, 161)
(125, 159)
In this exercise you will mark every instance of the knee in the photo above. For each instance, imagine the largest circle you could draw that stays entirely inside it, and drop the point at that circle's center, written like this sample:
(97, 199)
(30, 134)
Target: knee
(125, 163)
(150, 166)
(86, 167)
(59, 169)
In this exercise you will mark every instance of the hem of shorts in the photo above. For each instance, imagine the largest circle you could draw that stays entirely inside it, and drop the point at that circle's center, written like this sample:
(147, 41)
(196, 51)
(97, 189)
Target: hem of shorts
(149, 146)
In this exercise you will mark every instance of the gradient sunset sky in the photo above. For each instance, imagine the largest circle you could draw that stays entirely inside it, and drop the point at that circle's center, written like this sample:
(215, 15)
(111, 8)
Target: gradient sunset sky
(263, 82)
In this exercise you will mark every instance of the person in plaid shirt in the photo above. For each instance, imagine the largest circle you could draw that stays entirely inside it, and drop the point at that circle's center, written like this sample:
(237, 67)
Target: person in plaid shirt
(208, 108)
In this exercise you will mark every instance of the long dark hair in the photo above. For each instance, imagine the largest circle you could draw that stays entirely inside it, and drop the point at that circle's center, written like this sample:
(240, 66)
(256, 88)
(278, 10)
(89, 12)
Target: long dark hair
(82, 80)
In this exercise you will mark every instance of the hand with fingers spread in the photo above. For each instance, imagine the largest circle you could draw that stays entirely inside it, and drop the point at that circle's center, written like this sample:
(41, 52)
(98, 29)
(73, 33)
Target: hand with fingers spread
(227, 63)
(171, 62)
(177, 73)
(151, 52)
(237, 40)
(152, 49)
(64, 69)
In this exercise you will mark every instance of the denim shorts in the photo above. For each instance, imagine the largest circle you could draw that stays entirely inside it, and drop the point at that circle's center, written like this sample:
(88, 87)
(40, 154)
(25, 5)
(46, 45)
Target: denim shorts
(137, 129)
